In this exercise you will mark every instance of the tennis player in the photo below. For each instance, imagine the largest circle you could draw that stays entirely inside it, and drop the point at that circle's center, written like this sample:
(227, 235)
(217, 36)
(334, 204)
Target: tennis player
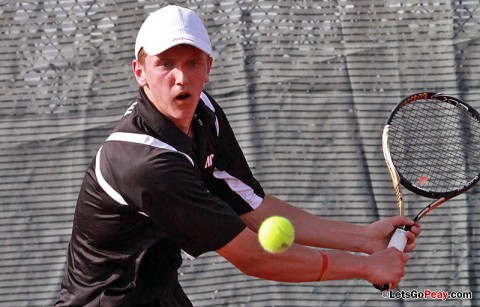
(172, 177)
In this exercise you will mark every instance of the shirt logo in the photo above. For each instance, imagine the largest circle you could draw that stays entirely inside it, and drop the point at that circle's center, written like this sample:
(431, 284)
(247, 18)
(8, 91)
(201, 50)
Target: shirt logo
(130, 109)
(209, 161)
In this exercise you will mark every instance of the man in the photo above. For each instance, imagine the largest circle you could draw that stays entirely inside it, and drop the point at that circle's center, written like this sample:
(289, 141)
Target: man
(172, 177)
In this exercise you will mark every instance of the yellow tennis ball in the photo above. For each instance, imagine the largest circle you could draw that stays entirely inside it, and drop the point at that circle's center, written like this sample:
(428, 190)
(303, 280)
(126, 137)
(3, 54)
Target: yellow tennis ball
(276, 234)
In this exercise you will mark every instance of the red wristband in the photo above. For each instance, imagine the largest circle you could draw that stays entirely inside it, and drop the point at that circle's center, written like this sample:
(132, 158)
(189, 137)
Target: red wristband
(324, 265)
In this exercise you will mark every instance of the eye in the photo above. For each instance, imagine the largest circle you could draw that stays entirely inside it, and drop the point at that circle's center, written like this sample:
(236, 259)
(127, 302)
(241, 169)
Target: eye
(163, 63)
(193, 63)
(166, 64)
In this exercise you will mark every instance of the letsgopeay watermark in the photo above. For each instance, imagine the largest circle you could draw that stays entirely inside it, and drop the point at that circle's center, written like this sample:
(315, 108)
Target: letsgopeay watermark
(427, 294)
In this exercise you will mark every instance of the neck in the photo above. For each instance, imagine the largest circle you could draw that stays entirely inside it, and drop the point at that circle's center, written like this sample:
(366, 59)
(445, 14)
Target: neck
(180, 117)
(185, 127)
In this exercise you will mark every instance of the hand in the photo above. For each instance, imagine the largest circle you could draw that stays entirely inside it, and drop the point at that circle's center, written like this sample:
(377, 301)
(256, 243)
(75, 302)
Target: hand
(387, 267)
(378, 234)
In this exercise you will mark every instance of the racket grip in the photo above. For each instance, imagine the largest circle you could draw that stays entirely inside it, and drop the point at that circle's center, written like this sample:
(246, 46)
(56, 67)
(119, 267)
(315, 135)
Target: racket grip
(398, 240)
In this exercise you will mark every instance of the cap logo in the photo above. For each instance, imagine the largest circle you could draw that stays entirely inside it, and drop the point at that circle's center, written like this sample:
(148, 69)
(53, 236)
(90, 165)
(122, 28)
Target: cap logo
(183, 39)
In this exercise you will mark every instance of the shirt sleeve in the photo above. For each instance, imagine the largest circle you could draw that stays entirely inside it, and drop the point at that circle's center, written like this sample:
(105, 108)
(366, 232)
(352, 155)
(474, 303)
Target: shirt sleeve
(233, 180)
(166, 188)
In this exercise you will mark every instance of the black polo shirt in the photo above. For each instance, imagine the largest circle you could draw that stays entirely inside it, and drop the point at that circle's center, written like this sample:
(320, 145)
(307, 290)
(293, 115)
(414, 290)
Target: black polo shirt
(150, 193)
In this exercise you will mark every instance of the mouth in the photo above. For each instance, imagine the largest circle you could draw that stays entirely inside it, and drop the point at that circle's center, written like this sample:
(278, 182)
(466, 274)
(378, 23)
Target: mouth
(182, 96)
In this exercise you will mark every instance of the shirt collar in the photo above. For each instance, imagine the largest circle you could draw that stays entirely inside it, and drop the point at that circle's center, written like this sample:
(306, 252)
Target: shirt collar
(165, 129)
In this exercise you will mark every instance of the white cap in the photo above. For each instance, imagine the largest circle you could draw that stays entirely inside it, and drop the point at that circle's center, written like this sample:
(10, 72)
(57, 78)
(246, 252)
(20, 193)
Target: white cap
(170, 26)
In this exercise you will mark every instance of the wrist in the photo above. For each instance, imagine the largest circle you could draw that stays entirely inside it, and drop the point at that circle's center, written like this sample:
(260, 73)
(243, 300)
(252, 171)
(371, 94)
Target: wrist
(363, 241)
(345, 265)
(324, 265)
(366, 266)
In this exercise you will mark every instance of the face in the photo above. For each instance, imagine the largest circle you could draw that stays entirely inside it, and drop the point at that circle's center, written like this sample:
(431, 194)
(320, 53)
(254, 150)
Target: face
(173, 81)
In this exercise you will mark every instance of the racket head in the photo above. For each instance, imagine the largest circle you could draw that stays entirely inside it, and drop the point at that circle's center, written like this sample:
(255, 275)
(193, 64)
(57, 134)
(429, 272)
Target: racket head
(434, 144)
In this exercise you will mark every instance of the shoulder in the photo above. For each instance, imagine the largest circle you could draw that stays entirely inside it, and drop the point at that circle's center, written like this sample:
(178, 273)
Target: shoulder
(138, 156)
(211, 103)
(221, 120)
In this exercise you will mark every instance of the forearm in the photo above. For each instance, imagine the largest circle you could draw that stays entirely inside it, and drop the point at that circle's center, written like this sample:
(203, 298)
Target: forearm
(297, 264)
(302, 266)
(344, 265)
(309, 229)
(324, 233)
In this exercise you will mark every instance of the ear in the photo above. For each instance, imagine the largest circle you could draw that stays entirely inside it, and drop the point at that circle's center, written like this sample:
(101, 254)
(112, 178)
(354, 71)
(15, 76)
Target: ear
(209, 63)
(138, 71)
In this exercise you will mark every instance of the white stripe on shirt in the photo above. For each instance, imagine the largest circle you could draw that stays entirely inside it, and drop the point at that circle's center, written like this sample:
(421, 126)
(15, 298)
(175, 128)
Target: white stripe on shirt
(243, 190)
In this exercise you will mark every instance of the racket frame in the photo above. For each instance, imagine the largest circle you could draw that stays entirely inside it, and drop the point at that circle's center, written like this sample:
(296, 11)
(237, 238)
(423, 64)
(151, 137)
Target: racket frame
(395, 176)
(398, 180)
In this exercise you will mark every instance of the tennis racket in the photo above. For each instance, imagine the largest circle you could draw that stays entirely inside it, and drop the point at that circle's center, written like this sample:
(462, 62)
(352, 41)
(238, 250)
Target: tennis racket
(431, 145)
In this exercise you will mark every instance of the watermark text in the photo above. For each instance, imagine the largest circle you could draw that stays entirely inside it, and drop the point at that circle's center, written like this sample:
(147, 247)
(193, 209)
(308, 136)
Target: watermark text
(427, 294)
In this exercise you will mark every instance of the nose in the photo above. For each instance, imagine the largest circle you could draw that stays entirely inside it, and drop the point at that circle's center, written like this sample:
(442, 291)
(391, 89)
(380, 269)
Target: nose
(181, 77)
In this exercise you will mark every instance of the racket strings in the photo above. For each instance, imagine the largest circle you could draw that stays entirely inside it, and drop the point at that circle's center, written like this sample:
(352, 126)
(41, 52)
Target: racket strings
(435, 145)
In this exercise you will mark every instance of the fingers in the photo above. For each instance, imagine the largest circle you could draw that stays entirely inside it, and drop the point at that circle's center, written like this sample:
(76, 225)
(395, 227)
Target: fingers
(405, 258)
(395, 284)
(401, 255)
(409, 247)
(388, 266)
(411, 236)
(404, 221)
(401, 273)
(415, 229)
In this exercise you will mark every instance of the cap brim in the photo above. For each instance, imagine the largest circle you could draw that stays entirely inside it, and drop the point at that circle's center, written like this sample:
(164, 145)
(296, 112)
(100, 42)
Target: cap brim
(158, 46)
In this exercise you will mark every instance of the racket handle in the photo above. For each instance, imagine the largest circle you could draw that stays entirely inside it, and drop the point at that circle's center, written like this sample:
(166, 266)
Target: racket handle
(398, 240)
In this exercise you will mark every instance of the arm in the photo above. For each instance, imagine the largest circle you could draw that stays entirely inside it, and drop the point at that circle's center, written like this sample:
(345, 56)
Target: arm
(303, 264)
(311, 230)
